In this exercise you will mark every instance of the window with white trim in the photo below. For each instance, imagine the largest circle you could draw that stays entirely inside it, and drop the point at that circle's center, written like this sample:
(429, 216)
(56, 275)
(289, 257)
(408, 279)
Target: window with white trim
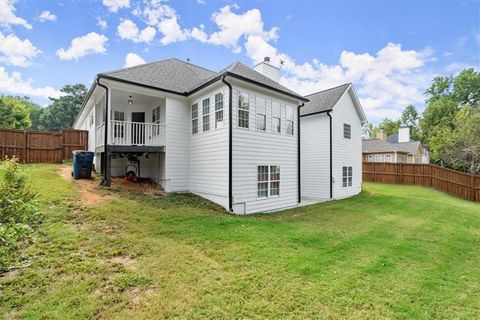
(243, 110)
(290, 118)
(346, 177)
(118, 128)
(378, 158)
(219, 110)
(156, 120)
(369, 158)
(206, 114)
(268, 181)
(388, 158)
(195, 118)
(347, 131)
(276, 117)
(261, 119)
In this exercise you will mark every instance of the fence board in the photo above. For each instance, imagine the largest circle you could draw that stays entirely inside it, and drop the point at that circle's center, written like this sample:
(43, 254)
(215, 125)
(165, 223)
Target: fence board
(41, 146)
(460, 184)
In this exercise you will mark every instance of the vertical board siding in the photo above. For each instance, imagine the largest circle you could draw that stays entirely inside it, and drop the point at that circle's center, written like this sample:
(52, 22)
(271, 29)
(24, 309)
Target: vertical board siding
(41, 146)
(456, 183)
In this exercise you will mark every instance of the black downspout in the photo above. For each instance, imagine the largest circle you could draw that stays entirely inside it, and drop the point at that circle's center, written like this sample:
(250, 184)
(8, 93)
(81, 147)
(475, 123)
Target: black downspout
(298, 155)
(230, 148)
(106, 182)
(331, 171)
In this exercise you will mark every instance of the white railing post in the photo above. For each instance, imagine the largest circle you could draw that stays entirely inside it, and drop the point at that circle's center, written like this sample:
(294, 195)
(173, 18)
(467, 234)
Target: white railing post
(132, 133)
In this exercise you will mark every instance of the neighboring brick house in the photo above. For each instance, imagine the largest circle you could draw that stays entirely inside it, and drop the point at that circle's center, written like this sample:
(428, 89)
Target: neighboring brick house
(394, 148)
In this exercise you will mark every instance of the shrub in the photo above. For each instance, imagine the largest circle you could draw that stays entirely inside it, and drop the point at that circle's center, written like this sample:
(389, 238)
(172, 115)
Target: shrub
(19, 214)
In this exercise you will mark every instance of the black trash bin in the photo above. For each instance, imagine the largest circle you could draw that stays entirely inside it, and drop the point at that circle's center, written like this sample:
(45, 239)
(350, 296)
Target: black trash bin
(82, 164)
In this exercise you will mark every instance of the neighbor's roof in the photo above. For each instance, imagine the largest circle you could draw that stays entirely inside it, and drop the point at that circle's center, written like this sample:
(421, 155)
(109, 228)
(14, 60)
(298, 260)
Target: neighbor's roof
(377, 145)
(183, 77)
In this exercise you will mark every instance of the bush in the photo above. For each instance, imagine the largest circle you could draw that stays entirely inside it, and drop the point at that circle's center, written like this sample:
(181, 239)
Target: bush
(19, 214)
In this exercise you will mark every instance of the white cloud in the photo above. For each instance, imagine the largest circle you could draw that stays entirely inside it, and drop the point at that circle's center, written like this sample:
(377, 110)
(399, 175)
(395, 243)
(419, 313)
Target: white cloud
(114, 5)
(127, 29)
(133, 59)
(91, 43)
(154, 12)
(15, 51)
(47, 16)
(16, 85)
(201, 2)
(8, 17)
(171, 30)
(102, 23)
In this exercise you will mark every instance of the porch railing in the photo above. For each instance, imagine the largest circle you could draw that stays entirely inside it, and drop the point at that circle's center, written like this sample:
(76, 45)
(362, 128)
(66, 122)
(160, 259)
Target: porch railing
(128, 133)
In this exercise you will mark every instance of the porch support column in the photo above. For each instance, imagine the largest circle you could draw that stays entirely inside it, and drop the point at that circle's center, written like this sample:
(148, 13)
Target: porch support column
(107, 174)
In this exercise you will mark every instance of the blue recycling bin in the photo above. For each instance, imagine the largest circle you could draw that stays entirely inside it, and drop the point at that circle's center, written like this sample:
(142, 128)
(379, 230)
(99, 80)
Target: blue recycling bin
(82, 164)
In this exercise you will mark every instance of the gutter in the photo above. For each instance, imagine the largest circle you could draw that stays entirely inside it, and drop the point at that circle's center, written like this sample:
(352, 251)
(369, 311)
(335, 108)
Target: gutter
(331, 169)
(230, 144)
(299, 173)
(106, 156)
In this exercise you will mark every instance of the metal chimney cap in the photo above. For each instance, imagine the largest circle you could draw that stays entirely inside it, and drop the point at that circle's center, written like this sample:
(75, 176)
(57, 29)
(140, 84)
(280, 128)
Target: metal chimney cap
(266, 59)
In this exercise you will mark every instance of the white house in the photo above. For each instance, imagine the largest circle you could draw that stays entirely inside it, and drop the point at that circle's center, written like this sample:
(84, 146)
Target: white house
(331, 144)
(231, 136)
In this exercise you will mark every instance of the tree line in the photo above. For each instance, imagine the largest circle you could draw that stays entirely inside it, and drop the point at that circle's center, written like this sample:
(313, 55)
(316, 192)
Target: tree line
(21, 113)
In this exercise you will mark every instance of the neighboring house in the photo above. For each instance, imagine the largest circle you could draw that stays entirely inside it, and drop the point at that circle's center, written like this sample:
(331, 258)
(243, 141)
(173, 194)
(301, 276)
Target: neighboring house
(231, 136)
(330, 130)
(394, 148)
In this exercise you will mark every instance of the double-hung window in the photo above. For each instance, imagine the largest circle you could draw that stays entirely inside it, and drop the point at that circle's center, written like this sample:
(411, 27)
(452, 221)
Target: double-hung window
(369, 158)
(118, 124)
(290, 120)
(195, 118)
(243, 110)
(261, 119)
(219, 110)
(346, 177)
(156, 120)
(268, 181)
(206, 114)
(347, 131)
(378, 158)
(276, 117)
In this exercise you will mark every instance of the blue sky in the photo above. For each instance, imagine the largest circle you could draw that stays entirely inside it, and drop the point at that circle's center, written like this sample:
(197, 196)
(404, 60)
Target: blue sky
(390, 50)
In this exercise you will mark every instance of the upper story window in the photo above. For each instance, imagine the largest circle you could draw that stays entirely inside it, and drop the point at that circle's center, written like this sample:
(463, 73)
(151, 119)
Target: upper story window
(276, 117)
(243, 110)
(290, 120)
(195, 118)
(261, 119)
(347, 177)
(347, 131)
(219, 110)
(206, 114)
(156, 115)
(118, 126)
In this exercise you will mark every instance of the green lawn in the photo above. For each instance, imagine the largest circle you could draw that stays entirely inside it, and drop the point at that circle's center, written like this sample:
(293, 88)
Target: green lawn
(392, 252)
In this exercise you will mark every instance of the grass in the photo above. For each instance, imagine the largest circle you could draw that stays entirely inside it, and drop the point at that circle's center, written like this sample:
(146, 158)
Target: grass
(392, 252)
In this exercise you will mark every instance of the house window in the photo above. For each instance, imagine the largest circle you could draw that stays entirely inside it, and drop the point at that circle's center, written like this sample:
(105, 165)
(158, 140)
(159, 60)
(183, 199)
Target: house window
(219, 110)
(276, 118)
(206, 114)
(347, 131)
(195, 118)
(156, 120)
(243, 110)
(290, 120)
(346, 177)
(369, 158)
(268, 181)
(118, 125)
(261, 119)
(388, 158)
(378, 158)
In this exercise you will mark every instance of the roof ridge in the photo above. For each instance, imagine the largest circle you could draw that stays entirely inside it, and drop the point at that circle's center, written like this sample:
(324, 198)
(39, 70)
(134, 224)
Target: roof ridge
(137, 66)
(311, 94)
(192, 64)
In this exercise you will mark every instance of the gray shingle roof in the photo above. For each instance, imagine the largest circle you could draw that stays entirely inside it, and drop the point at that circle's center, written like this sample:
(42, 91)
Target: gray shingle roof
(324, 100)
(376, 145)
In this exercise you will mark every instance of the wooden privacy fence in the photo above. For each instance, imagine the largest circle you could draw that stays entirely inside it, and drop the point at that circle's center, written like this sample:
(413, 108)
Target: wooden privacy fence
(463, 185)
(41, 146)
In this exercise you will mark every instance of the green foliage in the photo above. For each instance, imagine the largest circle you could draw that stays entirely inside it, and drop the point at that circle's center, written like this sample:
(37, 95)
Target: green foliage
(441, 87)
(410, 119)
(438, 115)
(64, 110)
(14, 113)
(19, 214)
(389, 126)
(466, 88)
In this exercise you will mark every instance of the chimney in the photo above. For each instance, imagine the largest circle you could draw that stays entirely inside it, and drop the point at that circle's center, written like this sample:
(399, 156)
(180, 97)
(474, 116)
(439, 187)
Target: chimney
(381, 135)
(268, 70)
(404, 134)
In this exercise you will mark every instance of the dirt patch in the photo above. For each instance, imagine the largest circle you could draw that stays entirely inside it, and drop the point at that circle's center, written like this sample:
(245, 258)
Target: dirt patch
(125, 261)
(146, 186)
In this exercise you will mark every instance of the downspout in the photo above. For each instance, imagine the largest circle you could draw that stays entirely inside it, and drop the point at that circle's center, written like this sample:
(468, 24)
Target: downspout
(230, 148)
(298, 155)
(106, 182)
(331, 169)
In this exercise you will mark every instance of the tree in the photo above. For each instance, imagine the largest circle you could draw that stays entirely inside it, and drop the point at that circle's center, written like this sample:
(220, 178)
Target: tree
(410, 119)
(441, 87)
(64, 110)
(14, 113)
(466, 88)
(389, 126)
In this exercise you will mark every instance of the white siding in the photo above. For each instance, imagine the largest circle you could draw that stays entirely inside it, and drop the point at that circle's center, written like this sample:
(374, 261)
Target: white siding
(209, 150)
(252, 148)
(177, 152)
(315, 156)
(346, 152)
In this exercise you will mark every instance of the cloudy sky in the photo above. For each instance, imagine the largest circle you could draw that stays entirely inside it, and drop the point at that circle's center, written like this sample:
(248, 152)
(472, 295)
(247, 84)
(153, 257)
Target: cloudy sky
(389, 50)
